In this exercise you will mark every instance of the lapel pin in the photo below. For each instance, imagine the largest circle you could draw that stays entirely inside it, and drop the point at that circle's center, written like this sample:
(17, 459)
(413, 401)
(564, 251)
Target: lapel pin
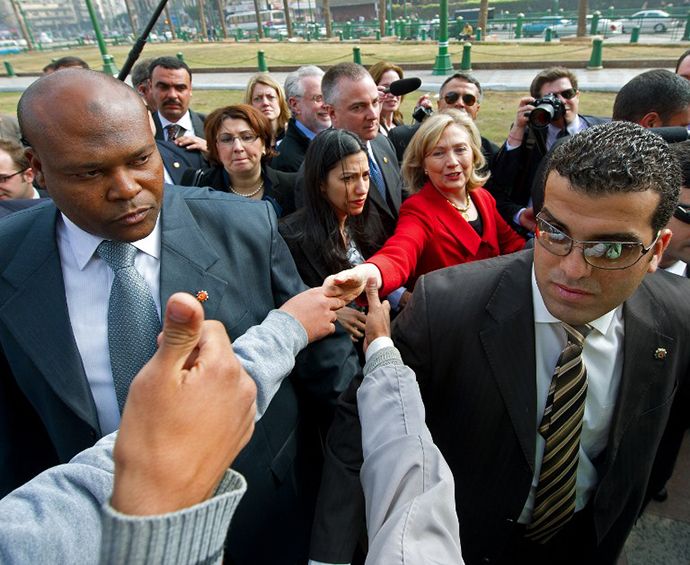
(176, 165)
(660, 353)
(202, 295)
(385, 160)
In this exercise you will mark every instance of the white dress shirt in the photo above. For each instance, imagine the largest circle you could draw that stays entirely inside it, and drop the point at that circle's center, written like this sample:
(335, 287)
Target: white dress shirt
(678, 268)
(87, 280)
(185, 122)
(603, 357)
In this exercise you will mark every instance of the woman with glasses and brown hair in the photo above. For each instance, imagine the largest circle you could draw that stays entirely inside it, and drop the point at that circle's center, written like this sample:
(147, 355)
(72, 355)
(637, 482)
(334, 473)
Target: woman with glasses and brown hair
(384, 73)
(239, 146)
(448, 220)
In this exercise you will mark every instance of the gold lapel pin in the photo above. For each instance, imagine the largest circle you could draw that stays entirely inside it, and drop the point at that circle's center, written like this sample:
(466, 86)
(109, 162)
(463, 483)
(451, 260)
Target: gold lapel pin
(176, 165)
(385, 160)
(202, 295)
(660, 353)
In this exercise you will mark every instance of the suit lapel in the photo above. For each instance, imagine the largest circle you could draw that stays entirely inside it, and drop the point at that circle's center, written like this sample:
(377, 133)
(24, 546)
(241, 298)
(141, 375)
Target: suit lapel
(508, 341)
(159, 127)
(640, 367)
(186, 255)
(198, 124)
(388, 164)
(37, 316)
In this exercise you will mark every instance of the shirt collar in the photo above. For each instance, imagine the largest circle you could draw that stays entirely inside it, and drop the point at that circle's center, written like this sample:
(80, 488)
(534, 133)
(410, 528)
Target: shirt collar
(678, 268)
(573, 127)
(185, 122)
(304, 129)
(84, 244)
(543, 316)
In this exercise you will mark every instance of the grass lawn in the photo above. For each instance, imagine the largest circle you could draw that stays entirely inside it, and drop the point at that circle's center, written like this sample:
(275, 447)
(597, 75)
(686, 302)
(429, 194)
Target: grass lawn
(244, 54)
(494, 119)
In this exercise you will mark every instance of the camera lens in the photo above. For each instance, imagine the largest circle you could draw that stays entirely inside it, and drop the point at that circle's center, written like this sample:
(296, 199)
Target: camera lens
(541, 116)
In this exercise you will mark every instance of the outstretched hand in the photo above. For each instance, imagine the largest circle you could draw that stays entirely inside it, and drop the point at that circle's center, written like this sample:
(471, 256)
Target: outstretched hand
(351, 282)
(189, 412)
(315, 310)
(379, 316)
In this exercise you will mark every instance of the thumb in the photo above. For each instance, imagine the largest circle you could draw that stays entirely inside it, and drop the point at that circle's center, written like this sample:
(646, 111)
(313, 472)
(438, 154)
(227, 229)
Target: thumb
(373, 293)
(184, 317)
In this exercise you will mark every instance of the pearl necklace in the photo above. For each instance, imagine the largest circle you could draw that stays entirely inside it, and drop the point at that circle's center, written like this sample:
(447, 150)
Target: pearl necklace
(250, 194)
(463, 211)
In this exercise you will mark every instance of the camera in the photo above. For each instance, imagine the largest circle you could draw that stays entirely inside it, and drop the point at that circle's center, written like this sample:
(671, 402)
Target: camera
(421, 113)
(547, 109)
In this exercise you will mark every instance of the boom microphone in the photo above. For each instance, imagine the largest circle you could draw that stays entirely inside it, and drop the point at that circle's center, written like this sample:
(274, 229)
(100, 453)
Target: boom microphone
(403, 86)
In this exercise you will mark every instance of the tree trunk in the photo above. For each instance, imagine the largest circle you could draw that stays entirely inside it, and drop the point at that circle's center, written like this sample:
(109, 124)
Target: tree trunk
(202, 20)
(259, 27)
(327, 18)
(483, 17)
(582, 18)
(288, 18)
(22, 26)
(382, 17)
(221, 13)
(131, 19)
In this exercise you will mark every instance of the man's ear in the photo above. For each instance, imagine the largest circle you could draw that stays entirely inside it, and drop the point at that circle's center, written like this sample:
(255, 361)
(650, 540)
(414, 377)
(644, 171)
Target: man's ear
(651, 120)
(331, 114)
(658, 249)
(36, 165)
(292, 102)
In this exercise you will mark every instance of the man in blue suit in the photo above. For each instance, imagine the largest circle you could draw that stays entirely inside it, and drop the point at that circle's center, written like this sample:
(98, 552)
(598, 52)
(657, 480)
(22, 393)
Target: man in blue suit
(93, 150)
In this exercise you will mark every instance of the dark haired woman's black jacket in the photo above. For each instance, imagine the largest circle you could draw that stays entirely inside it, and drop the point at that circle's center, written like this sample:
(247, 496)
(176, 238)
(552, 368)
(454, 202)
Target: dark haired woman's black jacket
(278, 186)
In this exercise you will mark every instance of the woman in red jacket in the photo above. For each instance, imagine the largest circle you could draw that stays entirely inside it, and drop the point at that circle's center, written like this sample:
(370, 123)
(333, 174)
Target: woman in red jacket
(449, 219)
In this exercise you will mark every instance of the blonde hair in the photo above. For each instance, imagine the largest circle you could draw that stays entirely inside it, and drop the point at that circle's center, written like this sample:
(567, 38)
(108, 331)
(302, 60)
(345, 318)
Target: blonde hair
(267, 80)
(428, 136)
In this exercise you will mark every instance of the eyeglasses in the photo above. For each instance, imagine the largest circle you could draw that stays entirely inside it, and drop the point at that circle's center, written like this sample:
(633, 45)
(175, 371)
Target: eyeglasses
(5, 178)
(682, 213)
(316, 98)
(467, 99)
(244, 138)
(608, 255)
(567, 94)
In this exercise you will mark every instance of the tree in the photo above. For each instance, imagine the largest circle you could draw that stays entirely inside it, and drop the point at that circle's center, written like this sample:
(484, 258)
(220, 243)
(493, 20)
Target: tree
(288, 17)
(582, 18)
(327, 18)
(483, 16)
(259, 26)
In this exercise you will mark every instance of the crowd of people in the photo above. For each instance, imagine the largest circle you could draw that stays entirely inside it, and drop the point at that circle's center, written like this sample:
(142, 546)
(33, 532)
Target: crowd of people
(219, 289)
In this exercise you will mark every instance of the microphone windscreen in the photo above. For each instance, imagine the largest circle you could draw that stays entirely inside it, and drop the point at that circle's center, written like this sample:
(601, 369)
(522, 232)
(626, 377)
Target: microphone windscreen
(674, 134)
(404, 86)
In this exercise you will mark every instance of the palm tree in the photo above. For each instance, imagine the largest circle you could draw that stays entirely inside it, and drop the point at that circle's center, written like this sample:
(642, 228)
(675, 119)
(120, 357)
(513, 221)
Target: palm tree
(483, 16)
(582, 18)
(259, 27)
(288, 19)
(327, 18)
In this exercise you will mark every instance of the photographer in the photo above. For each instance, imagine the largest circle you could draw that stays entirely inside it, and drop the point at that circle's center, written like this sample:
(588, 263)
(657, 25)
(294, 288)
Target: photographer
(531, 136)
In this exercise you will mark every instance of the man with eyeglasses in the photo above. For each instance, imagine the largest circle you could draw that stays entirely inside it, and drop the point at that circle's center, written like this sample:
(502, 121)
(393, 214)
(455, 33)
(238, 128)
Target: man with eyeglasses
(309, 117)
(17, 191)
(515, 166)
(548, 375)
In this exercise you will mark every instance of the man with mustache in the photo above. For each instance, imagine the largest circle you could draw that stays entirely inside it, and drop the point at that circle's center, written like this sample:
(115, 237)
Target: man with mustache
(170, 85)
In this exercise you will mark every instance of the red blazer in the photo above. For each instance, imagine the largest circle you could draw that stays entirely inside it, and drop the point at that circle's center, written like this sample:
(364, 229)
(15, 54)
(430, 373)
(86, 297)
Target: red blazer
(431, 234)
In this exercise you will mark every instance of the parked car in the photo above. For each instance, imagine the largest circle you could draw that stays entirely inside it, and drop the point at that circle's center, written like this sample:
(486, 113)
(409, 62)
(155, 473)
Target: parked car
(537, 27)
(648, 21)
(604, 27)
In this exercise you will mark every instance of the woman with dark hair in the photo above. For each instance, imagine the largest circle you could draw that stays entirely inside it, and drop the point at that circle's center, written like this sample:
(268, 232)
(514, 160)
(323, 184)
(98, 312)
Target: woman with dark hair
(239, 145)
(334, 230)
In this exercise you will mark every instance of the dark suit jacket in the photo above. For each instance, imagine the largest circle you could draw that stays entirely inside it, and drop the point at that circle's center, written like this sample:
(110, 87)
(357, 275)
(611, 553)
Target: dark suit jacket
(278, 186)
(387, 209)
(515, 171)
(8, 207)
(477, 381)
(226, 245)
(197, 121)
(307, 258)
(177, 159)
(292, 150)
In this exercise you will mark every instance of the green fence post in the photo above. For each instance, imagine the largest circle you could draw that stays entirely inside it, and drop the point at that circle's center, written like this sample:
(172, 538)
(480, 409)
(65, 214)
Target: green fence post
(180, 56)
(262, 62)
(423, 34)
(595, 23)
(595, 62)
(518, 26)
(9, 69)
(548, 34)
(686, 35)
(466, 64)
(378, 35)
(478, 35)
(635, 35)
(348, 29)
(256, 37)
(356, 56)
(340, 35)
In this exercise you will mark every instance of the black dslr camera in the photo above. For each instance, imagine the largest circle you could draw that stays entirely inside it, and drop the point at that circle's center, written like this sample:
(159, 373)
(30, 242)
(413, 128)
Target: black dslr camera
(421, 113)
(547, 109)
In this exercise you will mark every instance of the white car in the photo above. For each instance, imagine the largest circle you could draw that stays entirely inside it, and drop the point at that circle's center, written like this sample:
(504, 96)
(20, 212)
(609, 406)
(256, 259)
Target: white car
(605, 27)
(648, 21)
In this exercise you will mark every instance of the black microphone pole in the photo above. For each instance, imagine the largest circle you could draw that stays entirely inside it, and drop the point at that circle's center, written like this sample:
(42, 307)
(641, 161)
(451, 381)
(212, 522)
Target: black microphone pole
(140, 42)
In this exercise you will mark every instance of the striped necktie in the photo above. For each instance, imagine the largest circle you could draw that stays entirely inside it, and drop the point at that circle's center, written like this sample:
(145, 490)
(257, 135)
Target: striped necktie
(561, 427)
(174, 131)
(133, 323)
